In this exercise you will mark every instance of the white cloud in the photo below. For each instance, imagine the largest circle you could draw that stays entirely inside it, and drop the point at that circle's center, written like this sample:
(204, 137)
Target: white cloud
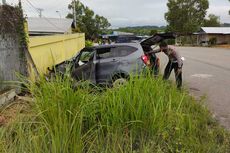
(221, 11)
(135, 12)
(121, 12)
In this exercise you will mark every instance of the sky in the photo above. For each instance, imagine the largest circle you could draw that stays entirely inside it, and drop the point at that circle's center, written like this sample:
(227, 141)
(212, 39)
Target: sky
(120, 13)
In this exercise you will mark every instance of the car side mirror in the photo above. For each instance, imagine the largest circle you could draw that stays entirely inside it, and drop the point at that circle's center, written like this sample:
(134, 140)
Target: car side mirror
(76, 64)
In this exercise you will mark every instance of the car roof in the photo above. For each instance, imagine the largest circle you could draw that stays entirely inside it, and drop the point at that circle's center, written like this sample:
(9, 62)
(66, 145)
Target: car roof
(114, 45)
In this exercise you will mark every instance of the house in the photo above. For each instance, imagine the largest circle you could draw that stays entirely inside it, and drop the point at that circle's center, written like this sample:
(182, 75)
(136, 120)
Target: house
(48, 26)
(221, 35)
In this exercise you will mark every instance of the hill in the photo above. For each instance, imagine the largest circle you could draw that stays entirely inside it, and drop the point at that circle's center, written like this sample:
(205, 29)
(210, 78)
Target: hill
(140, 30)
(225, 25)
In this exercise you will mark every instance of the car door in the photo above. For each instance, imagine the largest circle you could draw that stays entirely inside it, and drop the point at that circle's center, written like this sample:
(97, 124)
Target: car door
(107, 64)
(84, 66)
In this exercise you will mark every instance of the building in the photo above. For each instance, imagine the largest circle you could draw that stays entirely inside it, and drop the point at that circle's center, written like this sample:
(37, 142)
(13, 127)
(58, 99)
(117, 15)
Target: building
(221, 35)
(120, 37)
(48, 26)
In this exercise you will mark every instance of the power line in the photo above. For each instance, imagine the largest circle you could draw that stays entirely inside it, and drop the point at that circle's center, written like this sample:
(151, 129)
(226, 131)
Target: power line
(36, 9)
(29, 8)
(57, 6)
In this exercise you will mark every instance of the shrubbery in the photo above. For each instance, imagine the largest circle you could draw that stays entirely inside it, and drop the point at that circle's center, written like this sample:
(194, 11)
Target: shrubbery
(213, 41)
(146, 115)
(88, 43)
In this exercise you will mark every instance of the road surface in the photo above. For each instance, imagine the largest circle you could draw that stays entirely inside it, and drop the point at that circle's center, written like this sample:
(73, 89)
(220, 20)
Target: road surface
(206, 72)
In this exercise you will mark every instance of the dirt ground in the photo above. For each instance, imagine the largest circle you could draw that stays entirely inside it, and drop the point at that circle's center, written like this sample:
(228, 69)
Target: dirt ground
(10, 112)
(222, 46)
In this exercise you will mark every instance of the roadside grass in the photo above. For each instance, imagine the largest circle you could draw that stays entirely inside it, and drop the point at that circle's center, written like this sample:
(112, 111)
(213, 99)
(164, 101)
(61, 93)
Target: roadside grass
(145, 115)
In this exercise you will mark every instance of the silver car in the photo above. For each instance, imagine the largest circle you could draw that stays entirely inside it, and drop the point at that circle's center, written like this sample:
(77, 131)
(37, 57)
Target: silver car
(114, 64)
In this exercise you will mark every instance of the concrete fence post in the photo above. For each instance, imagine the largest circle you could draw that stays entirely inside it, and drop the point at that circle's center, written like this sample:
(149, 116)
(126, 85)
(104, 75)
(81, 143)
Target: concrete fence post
(12, 54)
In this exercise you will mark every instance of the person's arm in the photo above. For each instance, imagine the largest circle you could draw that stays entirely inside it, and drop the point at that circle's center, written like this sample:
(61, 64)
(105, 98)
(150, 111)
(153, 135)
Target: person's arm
(178, 58)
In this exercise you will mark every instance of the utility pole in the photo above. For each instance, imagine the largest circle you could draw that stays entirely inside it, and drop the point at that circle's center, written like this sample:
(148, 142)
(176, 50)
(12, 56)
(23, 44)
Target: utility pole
(24, 45)
(59, 13)
(4, 2)
(20, 6)
(40, 12)
(74, 13)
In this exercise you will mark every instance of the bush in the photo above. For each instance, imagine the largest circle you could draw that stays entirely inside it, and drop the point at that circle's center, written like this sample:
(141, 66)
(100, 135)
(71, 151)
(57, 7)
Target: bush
(146, 115)
(188, 40)
(213, 41)
(171, 42)
(88, 43)
(153, 32)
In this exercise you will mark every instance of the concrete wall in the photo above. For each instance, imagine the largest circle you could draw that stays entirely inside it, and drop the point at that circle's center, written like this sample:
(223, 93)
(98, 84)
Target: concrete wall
(228, 38)
(44, 51)
(12, 58)
(47, 51)
(221, 39)
(12, 61)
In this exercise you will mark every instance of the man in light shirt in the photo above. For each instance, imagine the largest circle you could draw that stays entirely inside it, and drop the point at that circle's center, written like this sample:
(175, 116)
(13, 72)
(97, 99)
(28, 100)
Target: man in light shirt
(175, 62)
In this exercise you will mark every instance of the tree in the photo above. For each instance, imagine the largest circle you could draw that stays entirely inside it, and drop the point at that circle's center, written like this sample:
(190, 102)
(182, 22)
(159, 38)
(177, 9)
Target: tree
(186, 16)
(153, 32)
(87, 21)
(212, 21)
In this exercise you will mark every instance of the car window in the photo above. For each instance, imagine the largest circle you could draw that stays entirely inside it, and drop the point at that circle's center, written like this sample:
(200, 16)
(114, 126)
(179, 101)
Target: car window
(85, 57)
(122, 51)
(103, 53)
(119, 51)
(127, 39)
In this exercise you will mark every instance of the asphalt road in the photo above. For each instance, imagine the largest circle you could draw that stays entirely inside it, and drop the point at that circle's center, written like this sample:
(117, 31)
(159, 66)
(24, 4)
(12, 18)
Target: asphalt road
(206, 72)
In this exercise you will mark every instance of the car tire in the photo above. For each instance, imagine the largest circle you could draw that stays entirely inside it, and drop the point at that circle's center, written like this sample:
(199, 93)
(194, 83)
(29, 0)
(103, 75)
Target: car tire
(119, 82)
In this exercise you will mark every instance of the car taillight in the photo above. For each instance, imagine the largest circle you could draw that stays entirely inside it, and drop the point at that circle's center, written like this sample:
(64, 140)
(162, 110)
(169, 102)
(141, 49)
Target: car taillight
(146, 60)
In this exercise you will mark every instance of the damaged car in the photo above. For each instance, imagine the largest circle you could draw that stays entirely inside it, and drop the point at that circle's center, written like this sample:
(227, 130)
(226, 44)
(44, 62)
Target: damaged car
(113, 65)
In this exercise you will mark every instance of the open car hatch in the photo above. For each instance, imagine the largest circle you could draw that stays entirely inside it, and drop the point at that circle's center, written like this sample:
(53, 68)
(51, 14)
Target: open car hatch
(157, 38)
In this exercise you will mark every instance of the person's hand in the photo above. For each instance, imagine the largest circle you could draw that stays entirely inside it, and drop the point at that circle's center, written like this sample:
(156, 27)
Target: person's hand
(179, 71)
(148, 53)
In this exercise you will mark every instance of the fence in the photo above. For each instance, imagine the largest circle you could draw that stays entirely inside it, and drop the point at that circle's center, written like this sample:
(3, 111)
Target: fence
(12, 55)
(47, 51)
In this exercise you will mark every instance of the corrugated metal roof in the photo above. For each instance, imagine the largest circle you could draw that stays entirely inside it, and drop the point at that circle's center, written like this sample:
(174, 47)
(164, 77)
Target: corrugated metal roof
(117, 33)
(49, 25)
(216, 30)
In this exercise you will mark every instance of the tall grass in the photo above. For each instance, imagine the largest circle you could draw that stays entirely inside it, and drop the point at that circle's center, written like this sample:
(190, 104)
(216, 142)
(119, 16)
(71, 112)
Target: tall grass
(146, 115)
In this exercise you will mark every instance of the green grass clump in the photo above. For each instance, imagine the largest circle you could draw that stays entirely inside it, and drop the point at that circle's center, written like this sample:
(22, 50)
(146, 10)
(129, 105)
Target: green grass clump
(146, 115)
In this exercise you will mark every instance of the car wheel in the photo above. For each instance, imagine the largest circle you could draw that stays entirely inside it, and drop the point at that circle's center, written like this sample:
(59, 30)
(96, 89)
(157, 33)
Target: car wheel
(119, 82)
